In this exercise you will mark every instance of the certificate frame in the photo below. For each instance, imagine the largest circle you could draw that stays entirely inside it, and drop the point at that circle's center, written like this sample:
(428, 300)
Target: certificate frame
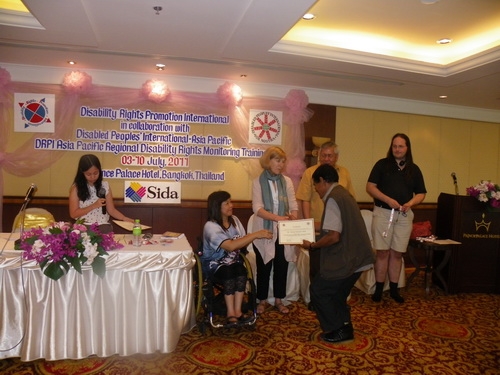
(294, 232)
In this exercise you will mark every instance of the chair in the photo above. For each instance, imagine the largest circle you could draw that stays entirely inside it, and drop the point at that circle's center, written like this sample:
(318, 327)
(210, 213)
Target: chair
(33, 218)
(293, 284)
(366, 281)
(209, 297)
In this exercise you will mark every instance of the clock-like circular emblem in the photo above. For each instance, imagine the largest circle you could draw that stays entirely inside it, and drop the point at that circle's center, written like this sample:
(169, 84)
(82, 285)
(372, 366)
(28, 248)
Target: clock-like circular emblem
(265, 126)
(34, 113)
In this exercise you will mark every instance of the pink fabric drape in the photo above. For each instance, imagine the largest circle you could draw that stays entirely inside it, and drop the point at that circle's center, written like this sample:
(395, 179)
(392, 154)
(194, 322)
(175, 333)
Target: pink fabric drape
(77, 90)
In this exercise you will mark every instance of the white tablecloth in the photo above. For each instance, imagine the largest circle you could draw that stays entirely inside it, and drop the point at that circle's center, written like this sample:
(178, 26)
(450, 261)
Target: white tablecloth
(142, 305)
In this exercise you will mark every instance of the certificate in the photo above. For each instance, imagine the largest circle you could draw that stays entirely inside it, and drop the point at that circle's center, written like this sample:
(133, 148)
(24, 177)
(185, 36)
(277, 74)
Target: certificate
(129, 226)
(294, 232)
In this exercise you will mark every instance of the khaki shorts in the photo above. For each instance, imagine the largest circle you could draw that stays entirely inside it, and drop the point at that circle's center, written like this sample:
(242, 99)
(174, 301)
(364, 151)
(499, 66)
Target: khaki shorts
(398, 232)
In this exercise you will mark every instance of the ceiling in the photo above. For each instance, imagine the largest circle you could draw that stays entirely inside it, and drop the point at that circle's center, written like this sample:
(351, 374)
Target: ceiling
(374, 47)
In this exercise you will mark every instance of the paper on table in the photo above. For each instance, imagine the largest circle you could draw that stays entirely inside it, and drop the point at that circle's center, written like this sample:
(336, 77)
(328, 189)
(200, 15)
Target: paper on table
(128, 226)
(447, 242)
(169, 234)
(294, 232)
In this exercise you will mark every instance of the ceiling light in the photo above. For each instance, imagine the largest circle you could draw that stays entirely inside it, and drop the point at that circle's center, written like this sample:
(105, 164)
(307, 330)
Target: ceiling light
(308, 16)
(160, 66)
(157, 9)
(429, 1)
(444, 41)
(443, 96)
(243, 76)
(72, 62)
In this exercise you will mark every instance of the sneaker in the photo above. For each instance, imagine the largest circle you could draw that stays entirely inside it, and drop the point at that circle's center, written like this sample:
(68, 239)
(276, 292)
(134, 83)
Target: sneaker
(342, 335)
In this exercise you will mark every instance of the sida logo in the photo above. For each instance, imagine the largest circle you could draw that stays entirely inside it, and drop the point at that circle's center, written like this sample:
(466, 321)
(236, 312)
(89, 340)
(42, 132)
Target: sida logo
(135, 192)
(34, 113)
(265, 127)
(152, 192)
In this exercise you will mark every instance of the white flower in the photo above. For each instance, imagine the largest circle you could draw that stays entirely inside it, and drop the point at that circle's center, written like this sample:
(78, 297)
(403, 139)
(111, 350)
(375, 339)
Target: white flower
(482, 197)
(90, 251)
(38, 245)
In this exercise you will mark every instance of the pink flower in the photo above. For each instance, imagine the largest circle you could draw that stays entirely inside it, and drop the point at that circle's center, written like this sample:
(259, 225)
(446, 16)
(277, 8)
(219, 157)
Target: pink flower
(486, 191)
(4, 77)
(155, 90)
(296, 100)
(229, 94)
(77, 82)
(62, 246)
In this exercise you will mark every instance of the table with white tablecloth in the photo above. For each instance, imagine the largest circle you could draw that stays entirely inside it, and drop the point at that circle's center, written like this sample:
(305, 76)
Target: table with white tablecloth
(142, 305)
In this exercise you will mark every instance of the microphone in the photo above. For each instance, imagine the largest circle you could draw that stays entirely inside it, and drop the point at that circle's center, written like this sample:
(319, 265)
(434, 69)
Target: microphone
(102, 194)
(454, 176)
(30, 192)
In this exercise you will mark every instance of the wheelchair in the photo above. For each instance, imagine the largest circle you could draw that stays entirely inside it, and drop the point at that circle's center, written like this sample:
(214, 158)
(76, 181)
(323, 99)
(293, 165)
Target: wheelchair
(209, 298)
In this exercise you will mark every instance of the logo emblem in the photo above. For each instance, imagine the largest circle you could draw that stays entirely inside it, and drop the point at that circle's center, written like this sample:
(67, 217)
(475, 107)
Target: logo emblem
(135, 192)
(483, 224)
(34, 113)
(265, 127)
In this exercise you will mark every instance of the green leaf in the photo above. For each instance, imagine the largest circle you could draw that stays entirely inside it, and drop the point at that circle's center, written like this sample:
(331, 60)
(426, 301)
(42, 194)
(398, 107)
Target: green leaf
(56, 270)
(75, 262)
(99, 267)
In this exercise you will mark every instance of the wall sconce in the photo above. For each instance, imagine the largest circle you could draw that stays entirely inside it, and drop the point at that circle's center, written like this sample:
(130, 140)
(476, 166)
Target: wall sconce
(318, 142)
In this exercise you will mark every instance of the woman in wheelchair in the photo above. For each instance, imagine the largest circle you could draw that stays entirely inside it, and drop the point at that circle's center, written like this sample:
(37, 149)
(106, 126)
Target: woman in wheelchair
(223, 237)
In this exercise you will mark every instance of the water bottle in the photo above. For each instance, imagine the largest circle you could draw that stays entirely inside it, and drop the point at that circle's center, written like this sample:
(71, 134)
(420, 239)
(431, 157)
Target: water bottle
(137, 233)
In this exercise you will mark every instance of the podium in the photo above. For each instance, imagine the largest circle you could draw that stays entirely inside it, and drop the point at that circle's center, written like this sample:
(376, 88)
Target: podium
(474, 266)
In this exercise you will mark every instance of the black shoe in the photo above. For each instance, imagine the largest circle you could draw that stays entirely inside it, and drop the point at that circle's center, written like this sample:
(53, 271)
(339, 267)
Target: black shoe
(376, 297)
(396, 297)
(341, 335)
(245, 319)
(310, 306)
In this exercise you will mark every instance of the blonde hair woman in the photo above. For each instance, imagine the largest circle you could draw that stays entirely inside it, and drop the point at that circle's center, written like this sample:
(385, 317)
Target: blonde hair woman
(273, 200)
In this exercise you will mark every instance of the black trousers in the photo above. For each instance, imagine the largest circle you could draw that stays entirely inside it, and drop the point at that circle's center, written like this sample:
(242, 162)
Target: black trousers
(329, 298)
(279, 266)
(314, 262)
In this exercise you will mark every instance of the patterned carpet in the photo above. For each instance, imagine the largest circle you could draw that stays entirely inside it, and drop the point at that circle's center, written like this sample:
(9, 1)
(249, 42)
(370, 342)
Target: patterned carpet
(435, 334)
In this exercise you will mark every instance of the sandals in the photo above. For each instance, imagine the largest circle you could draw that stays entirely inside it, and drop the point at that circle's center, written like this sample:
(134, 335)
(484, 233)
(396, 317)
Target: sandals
(262, 306)
(245, 319)
(282, 308)
(234, 320)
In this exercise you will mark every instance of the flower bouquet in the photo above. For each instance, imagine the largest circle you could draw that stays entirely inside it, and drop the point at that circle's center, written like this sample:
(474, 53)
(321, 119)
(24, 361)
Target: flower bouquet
(63, 245)
(487, 192)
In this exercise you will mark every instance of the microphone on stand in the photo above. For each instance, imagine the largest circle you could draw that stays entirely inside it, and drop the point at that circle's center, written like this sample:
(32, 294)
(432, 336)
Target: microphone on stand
(454, 176)
(27, 199)
(102, 194)
(30, 192)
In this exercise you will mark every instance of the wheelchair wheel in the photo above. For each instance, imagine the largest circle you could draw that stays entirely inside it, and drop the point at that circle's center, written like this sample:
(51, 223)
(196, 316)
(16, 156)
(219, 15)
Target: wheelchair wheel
(210, 302)
(198, 285)
(250, 298)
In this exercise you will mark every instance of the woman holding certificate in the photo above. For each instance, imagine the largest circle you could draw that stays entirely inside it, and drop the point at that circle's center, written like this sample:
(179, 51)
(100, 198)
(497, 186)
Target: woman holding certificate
(273, 200)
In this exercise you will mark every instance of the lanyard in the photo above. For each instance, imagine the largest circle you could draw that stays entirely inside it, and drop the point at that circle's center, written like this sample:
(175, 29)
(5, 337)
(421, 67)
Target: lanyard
(391, 219)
